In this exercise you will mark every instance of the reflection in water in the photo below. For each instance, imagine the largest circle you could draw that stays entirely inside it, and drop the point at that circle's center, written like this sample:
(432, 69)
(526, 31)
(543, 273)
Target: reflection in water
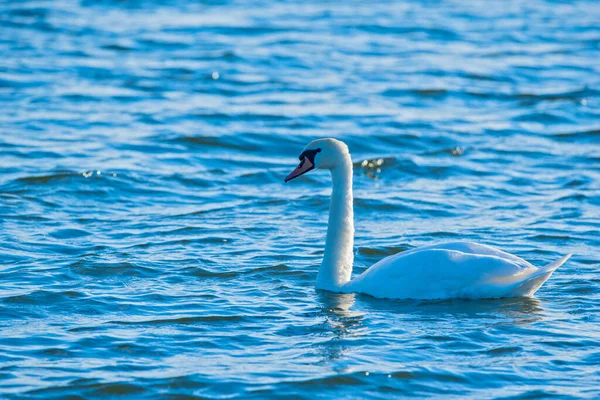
(518, 310)
(342, 322)
(521, 311)
(416, 326)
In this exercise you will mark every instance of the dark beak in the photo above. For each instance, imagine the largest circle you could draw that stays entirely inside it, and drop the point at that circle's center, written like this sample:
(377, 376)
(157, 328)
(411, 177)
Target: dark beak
(304, 166)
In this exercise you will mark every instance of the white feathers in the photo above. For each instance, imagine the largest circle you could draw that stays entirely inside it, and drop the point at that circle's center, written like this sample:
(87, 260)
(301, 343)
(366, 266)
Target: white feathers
(447, 270)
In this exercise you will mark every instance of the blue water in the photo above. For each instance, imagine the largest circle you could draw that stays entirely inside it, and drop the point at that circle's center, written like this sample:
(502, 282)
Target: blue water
(150, 249)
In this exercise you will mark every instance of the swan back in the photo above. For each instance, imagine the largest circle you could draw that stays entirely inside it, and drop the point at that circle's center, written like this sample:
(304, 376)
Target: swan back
(447, 270)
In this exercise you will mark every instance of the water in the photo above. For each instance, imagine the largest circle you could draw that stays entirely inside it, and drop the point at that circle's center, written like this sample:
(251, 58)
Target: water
(150, 249)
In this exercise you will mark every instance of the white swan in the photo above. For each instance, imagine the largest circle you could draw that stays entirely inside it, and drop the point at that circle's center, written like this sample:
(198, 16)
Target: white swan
(440, 271)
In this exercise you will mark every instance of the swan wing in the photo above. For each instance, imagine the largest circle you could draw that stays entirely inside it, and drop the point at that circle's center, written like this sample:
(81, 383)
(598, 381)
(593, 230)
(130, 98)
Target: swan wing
(470, 248)
(452, 270)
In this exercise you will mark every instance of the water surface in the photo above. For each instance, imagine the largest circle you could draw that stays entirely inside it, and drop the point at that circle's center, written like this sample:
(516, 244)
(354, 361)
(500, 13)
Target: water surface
(149, 247)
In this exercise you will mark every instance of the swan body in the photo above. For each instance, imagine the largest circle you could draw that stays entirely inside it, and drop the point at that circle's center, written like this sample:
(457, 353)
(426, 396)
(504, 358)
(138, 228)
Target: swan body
(439, 271)
(452, 270)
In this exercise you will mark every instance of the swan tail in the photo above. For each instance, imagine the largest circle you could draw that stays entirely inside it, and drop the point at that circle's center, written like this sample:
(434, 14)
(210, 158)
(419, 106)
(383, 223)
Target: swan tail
(529, 286)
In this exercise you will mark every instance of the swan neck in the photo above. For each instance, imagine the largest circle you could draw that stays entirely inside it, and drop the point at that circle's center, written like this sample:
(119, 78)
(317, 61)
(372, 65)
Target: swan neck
(336, 268)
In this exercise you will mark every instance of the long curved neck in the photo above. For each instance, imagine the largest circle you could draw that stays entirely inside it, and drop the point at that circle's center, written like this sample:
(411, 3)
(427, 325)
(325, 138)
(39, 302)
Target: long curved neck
(336, 268)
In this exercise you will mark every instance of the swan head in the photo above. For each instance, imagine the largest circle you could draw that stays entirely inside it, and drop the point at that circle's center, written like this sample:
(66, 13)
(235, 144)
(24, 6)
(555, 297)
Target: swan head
(320, 154)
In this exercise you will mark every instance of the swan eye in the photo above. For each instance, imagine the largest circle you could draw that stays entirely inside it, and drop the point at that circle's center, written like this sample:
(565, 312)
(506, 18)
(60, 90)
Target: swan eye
(310, 154)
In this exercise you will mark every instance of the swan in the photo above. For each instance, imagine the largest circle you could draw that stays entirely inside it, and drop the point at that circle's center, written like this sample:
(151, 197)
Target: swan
(438, 271)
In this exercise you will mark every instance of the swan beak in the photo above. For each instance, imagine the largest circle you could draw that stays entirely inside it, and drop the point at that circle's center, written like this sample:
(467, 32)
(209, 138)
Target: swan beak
(304, 166)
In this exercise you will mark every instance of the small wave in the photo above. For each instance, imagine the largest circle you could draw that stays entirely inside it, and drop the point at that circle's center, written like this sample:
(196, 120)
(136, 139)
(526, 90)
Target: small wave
(381, 251)
(44, 297)
(69, 233)
(543, 117)
(183, 320)
(56, 352)
(584, 136)
(107, 269)
(456, 151)
(92, 390)
(120, 47)
(274, 270)
(433, 93)
(355, 379)
(430, 33)
(501, 351)
(574, 96)
(46, 179)
(206, 273)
